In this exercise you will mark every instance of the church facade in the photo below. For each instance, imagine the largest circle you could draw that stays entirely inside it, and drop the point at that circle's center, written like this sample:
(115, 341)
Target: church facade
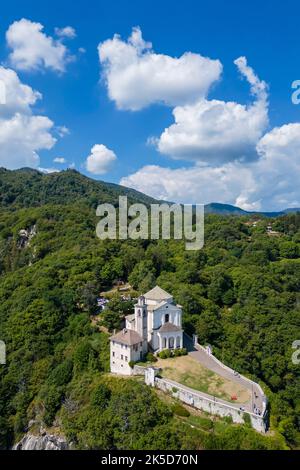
(155, 325)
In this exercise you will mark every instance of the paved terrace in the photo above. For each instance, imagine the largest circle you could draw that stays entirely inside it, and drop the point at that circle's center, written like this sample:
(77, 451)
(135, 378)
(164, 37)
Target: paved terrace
(208, 361)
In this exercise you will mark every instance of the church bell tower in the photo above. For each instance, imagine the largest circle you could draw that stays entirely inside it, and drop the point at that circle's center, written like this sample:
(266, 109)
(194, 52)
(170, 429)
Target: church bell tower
(141, 317)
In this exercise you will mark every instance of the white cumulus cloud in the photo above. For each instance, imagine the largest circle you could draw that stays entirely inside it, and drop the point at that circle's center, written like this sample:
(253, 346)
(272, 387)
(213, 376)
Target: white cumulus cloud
(214, 130)
(48, 171)
(66, 32)
(22, 133)
(100, 160)
(278, 168)
(197, 184)
(18, 97)
(32, 49)
(136, 76)
(233, 157)
(269, 183)
(59, 160)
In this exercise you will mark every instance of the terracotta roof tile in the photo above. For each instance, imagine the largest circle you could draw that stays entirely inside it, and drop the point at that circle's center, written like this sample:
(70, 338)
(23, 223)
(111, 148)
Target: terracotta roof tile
(157, 293)
(168, 328)
(128, 337)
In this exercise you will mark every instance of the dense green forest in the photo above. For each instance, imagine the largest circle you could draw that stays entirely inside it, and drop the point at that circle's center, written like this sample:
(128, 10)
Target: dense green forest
(240, 294)
(30, 188)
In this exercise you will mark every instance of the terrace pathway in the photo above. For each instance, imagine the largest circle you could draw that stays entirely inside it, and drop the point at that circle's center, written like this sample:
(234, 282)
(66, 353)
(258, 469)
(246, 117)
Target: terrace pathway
(208, 361)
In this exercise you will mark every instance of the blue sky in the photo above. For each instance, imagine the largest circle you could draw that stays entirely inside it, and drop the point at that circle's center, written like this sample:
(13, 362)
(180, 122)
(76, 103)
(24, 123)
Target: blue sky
(254, 171)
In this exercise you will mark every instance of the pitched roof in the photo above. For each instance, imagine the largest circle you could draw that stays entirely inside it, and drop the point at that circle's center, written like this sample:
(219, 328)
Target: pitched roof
(128, 337)
(157, 293)
(169, 328)
(151, 307)
(130, 317)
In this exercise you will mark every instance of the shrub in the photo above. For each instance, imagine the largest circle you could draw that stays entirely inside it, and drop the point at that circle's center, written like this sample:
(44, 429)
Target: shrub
(151, 358)
(62, 373)
(101, 396)
(183, 351)
(131, 364)
(180, 352)
(206, 424)
(162, 354)
(229, 420)
(180, 411)
(165, 354)
(82, 355)
(247, 420)
(52, 403)
(168, 353)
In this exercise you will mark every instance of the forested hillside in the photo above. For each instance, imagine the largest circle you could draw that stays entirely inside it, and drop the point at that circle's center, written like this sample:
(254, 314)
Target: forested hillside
(240, 294)
(31, 188)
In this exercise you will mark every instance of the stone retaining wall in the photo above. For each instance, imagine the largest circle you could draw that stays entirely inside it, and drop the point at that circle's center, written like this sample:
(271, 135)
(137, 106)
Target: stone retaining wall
(138, 370)
(202, 401)
(264, 398)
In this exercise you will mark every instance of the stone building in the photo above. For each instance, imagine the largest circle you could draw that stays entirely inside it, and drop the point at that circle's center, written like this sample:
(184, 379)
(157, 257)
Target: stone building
(155, 325)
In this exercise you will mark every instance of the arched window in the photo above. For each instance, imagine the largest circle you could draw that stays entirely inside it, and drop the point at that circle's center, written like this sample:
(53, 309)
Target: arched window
(166, 317)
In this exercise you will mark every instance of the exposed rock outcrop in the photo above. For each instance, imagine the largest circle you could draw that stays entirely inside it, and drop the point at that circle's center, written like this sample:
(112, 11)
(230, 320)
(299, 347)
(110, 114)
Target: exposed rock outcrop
(41, 442)
(25, 236)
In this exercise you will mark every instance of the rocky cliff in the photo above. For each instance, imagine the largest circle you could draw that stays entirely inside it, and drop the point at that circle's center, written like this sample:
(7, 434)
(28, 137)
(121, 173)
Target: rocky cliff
(41, 442)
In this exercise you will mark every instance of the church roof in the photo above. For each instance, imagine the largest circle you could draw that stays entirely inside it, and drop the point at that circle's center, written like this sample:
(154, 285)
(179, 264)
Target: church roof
(128, 337)
(157, 293)
(130, 317)
(169, 328)
(150, 307)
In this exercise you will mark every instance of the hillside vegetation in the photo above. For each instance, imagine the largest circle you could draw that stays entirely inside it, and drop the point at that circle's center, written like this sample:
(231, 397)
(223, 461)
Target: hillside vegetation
(31, 188)
(240, 294)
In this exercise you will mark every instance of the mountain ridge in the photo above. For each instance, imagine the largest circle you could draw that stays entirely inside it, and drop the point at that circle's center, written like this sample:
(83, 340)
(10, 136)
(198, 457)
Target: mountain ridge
(229, 209)
(27, 186)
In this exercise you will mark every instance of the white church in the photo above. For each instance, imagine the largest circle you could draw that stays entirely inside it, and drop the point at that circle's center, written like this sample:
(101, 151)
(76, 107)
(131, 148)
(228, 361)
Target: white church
(155, 325)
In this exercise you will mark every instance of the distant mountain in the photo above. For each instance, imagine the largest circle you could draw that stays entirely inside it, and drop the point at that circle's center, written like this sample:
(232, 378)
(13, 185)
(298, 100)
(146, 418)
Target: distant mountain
(30, 188)
(291, 210)
(223, 209)
(228, 209)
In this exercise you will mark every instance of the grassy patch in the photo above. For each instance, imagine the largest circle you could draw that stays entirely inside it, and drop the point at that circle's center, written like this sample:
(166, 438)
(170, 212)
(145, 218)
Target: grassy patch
(200, 422)
(189, 372)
